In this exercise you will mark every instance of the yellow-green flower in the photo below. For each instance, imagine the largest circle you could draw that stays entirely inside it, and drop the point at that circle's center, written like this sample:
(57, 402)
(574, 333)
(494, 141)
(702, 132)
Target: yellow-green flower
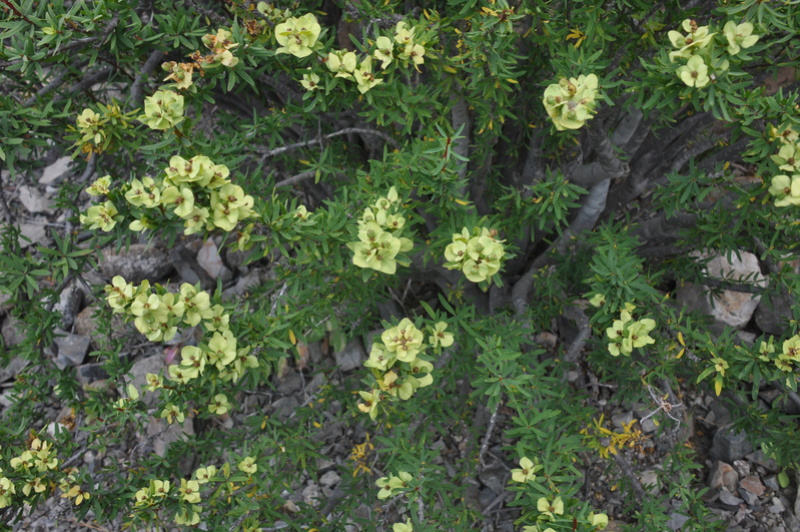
(188, 516)
(526, 471)
(364, 77)
(190, 491)
(219, 405)
(103, 217)
(696, 38)
(383, 51)
(248, 465)
(403, 527)
(100, 186)
(170, 413)
(342, 63)
(404, 340)
(739, 36)
(598, 520)
(694, 73)
(440, 337)
(297, 36)
(370, 404)
(310, 82)
(788, 158)
(163, 110)
(181, 200)
(786, 190)
(570, 102)
(205, 474)
(550, 509)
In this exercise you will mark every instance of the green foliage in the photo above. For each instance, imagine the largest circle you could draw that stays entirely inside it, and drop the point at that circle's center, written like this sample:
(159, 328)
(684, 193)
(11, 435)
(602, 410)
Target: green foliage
(455, 183)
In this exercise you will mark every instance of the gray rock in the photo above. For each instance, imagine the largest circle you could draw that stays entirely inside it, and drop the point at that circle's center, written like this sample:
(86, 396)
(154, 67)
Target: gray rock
(493, 477)
(649, 480)
(138, 376)
(91, 373)
(649, 426)
(71, 349)
(290, 383)
(676, 520)
(723, 475)
(209, 259)
(329, 479)
(69, 304)
(34, 233)
(164, 434)
(13, 368)
(352, 356)
(777, 506)
(285, 406)
(620, 419)
(312, 495)
(748, 497)
(730, 445)
(773, 316)
(55, 171)
(137, 263)
(772, 482)
(726, 497)
(13, 331)
(33, 200)
(792, 522)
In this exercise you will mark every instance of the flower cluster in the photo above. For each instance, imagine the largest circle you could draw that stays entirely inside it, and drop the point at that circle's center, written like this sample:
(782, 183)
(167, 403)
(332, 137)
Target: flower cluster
(379, 235)
(31, 469)
(696, 47)
(196, 191)
(626, 334)
(163, 110)
(789, 358)
(388, 485)
(99, 131)
(479, 255)
(188, 492)
(397, 367)
(220, 46)
(298, 35)
(571, 102)
(785, 188)
(158, 316)
(344, 64)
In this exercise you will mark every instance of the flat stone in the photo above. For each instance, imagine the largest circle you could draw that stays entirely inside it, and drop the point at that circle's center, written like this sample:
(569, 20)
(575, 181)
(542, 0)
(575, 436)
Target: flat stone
(136, 263)
(729, 445)
(35, 233)
(676, 520)
(649, 426)
(72, 349)
(750, 498)
(13, 368)
(285, 406)
(329, 479)
(33, 200)
(208, 258)
(726, 497)
(772, 483)
(723, 475)
(90, 373)
(752, 484)
(352, 356)
(55, 171)
(623, 418)
(13, 331)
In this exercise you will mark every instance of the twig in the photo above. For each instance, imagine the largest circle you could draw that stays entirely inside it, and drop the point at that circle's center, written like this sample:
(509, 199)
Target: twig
(420, 509)
(584, 332)
(626, 469)
(489, 430)
(137, 88)
(363, 131)
(295, 179)
(7, 215)
(87, 82)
